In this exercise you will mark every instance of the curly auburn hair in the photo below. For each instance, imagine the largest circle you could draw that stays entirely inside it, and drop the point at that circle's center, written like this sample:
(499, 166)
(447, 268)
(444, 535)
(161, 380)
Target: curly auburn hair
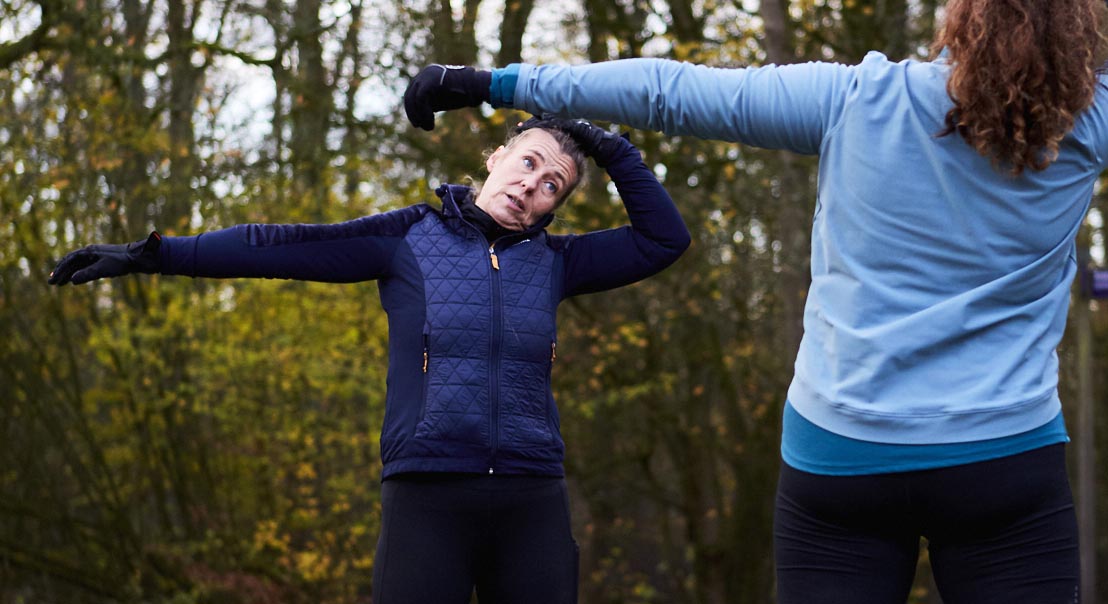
(1021, 70)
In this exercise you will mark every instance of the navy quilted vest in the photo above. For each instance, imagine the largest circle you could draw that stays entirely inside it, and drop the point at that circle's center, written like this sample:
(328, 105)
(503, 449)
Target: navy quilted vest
(488, 344)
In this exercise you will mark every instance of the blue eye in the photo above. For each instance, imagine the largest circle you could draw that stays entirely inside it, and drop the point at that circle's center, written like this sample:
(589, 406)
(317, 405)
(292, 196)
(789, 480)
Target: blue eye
(550, 187)
(528, 163)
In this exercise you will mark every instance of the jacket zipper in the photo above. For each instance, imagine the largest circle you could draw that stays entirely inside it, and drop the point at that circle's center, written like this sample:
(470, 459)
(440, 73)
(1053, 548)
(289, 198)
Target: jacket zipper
(497, 329)
(494, 370)
(492, 258)
(426, 352)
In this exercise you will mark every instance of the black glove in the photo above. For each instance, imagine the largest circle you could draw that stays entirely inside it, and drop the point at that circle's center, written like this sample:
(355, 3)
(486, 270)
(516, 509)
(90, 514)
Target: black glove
(99, 261)
(595, 142)
(441, 88)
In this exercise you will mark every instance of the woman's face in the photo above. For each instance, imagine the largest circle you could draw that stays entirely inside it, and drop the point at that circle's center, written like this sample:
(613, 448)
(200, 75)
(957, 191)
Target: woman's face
(526, 180)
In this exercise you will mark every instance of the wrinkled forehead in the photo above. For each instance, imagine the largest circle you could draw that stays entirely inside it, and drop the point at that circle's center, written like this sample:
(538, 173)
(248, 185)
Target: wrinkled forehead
(537, 140)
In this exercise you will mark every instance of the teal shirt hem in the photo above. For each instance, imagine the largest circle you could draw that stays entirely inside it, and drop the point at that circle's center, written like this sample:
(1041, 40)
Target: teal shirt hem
(809, 448)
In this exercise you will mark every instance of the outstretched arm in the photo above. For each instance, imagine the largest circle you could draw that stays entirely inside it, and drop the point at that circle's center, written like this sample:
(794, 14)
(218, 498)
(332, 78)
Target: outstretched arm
(779, 107)
(788, 107)
(347, 252)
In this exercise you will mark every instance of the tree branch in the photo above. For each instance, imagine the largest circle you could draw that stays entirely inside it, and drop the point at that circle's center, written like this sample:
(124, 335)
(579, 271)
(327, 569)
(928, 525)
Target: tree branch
(11, 52)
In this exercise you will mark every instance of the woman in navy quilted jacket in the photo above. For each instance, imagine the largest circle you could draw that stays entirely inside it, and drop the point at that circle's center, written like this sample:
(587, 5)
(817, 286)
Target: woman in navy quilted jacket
(473, 492)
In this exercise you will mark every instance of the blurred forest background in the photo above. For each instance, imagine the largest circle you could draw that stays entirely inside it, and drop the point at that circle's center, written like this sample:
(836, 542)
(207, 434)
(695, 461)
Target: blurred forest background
(170, 440)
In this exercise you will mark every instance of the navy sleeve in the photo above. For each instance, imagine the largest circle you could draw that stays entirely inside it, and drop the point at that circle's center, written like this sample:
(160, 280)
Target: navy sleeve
(346, 252)
(656, 237)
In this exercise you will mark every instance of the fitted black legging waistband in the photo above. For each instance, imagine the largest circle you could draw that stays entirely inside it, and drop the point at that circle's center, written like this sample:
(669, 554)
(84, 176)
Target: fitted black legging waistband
(444, 536)
(998, 531)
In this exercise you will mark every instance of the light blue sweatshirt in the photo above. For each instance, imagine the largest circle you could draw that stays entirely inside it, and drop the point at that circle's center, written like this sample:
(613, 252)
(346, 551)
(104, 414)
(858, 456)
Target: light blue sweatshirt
(940, 285)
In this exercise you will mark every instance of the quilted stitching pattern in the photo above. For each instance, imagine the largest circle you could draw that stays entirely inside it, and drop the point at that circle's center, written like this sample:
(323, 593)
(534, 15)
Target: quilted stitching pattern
(529, 327)
(459, 314)
(458, 388)
(527, 422)
(457, 280)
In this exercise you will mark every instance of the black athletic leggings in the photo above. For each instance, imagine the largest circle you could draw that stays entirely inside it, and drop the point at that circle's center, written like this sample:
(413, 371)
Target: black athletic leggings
(1001, 531)
(444, 535)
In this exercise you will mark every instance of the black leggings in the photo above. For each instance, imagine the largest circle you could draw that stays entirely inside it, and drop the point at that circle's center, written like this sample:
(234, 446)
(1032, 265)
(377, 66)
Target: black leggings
(444, 535)
(999, 531)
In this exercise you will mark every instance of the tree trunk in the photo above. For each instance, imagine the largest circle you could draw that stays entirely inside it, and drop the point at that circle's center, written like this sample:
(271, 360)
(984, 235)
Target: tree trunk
(311, 109)
(184, 86)
(516, 13)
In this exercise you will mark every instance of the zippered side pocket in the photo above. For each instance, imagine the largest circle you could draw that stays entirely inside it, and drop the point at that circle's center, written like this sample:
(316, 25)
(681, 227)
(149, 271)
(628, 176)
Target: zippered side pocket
(426, 372)
(553, 422)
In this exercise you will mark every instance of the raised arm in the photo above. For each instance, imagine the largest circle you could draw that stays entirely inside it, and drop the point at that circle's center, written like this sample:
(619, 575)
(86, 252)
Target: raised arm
(656, 237)
(357, 250)
(788, 107)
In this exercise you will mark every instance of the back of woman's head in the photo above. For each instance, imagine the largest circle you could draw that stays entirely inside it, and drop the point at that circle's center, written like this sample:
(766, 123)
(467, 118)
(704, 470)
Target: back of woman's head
(1021, 70)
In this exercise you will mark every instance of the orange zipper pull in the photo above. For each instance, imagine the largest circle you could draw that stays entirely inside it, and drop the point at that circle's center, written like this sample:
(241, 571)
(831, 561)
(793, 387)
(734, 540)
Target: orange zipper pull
(493, 258)
(424, 360)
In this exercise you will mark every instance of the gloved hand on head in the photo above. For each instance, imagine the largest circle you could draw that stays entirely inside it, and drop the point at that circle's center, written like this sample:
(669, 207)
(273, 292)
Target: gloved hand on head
(595, 142)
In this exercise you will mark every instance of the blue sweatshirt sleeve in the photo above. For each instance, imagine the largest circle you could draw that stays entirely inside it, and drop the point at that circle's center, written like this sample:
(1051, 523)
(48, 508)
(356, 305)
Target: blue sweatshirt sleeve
(347, 252)
(656, 237)
(790, 107)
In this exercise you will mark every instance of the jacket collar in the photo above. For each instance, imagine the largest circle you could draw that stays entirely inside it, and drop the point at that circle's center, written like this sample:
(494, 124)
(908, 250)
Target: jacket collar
(451, 195)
